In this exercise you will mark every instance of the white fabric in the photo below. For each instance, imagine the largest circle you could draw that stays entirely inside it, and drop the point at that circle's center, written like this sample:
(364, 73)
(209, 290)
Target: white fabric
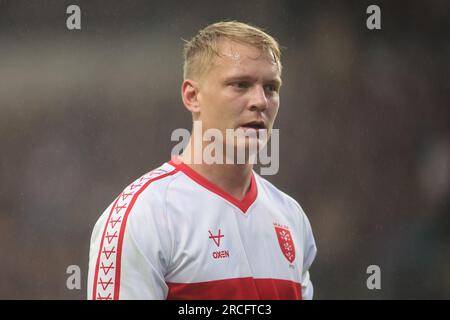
(162, 224)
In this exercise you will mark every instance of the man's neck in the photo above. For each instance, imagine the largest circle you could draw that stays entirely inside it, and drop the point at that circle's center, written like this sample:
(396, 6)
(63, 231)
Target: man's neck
(235, 179)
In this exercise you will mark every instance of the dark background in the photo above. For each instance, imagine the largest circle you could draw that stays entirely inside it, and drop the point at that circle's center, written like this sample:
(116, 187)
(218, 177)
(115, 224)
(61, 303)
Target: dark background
(364, 129)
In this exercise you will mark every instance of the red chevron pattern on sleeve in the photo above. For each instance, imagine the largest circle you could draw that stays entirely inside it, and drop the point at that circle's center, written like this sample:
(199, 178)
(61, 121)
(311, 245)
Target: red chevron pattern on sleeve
(106, 284)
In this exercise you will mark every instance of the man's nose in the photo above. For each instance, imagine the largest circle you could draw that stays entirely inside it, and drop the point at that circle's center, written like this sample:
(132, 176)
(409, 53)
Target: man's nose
(258, 99)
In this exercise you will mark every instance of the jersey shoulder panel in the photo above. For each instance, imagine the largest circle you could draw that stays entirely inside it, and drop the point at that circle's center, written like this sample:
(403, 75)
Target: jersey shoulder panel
(278, 196)
(119, 231)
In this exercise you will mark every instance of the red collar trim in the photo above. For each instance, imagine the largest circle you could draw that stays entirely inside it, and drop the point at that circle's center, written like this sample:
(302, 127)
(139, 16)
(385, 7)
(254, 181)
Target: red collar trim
(243, 204)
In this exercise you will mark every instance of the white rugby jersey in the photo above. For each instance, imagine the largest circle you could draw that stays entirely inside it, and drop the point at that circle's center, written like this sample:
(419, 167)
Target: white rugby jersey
(172, 234)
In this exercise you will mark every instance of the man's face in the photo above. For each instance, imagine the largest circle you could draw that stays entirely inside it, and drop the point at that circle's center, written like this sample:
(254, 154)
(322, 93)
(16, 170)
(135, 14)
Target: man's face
(240, 90)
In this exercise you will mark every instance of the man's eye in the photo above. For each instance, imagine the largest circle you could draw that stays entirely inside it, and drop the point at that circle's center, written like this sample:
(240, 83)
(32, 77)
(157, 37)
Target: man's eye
(272, 88)
(242, 85)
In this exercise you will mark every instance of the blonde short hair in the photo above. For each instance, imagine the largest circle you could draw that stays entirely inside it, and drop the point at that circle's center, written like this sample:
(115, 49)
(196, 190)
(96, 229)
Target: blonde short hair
(200, 50)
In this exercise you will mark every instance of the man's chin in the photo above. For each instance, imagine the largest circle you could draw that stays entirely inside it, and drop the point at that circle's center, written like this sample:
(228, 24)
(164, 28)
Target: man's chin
(245, 148)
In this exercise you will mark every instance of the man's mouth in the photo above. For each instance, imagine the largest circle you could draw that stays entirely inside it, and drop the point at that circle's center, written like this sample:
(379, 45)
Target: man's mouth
(254, 125)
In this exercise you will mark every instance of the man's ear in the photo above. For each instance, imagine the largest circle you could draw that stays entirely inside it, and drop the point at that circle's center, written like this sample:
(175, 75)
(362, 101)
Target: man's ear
(189, 95)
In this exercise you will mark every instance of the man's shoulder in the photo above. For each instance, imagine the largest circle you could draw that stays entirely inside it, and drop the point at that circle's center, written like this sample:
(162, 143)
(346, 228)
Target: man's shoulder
(154, 182)
(150, 187)
(277, 195)
(284, 202)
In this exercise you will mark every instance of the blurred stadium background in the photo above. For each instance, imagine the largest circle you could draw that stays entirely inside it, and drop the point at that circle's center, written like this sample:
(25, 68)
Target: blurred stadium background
(364, 129)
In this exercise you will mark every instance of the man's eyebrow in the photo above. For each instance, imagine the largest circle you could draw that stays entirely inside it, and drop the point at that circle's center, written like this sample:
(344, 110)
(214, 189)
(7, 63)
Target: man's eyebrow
(239, 78)
(276, 81)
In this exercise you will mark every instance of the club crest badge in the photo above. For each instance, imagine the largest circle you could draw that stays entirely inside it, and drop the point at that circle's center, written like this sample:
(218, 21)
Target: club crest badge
(286, 242)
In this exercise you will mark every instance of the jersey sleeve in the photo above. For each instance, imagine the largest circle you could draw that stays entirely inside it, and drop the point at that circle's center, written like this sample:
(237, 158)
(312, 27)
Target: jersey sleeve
(310, 251)
(130, 250)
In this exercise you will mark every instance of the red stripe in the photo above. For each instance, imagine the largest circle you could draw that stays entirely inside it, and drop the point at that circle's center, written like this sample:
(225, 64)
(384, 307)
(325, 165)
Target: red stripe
(236, 289)
(122, 231)
(243, 204)
(97, 265)
(120, 239)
